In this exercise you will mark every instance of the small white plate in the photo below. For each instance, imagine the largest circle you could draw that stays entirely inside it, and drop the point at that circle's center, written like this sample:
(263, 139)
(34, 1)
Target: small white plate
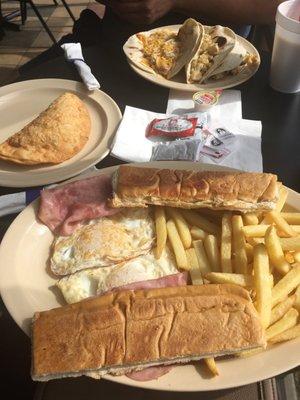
(26, 287)
(21, 102)
(178, 82)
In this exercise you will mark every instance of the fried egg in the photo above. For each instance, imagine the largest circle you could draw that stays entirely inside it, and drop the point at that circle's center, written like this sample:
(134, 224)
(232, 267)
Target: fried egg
(96, 281)
(104, 241)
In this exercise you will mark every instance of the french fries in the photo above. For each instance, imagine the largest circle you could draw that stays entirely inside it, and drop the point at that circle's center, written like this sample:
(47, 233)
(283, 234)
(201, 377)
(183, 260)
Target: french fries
(195, 271)
(198, 233)
(234, 279)
(262, 284)
(182, 227)
(290, 244)
(283, 194)
(292, 218)
(161, 230)
(289, 334)
(239, 246)
(202, 257)
(250, 219)
(249, 252)
(282, 308)
(177, 245)
(286, 285)
(257, 251)
(289, 256)
(296, 256)
(193, 218)
(255, 231)
(211, 364)
(287, 321)
(225, 250)
(275, 251)
(297, 301)
(281, 223)
(212, 252)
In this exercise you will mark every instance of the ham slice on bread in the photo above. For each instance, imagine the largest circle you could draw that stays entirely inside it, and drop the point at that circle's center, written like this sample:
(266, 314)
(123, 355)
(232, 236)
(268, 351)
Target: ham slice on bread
(107, 334)
(241, 191)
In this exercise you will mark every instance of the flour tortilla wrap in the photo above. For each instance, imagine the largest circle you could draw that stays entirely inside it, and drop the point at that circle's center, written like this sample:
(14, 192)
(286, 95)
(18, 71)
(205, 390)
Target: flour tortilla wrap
(216, 44)
(181, 47)
(232, 61)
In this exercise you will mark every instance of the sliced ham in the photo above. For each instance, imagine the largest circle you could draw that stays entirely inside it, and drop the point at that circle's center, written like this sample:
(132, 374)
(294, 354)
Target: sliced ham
(179, 279)
(62, 209)
(148, 374)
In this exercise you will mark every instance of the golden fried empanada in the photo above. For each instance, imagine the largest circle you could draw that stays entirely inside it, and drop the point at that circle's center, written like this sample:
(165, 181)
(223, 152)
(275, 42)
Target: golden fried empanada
(56, 135)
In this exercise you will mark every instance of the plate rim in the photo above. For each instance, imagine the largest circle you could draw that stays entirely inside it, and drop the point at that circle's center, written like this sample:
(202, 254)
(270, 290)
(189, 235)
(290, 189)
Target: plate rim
(15, 179)
(190, 87)
(122, 379)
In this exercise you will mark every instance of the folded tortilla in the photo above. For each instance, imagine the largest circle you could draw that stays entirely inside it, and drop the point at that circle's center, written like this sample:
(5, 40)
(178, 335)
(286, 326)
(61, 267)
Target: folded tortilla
(164, 51)
(56, 135)
(215, 45)
(238, 61)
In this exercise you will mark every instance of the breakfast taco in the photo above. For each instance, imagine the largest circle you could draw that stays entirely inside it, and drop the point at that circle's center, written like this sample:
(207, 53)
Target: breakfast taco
(164, 51)
(215, 45)
(237, 61)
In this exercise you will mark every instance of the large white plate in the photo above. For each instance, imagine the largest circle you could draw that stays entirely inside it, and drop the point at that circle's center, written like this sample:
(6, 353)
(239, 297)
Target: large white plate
(26, 287)
(21, 102)
(178, 82)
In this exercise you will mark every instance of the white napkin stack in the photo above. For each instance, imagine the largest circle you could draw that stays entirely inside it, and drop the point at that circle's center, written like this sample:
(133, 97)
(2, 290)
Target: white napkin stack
(73, 53)
(131, 143)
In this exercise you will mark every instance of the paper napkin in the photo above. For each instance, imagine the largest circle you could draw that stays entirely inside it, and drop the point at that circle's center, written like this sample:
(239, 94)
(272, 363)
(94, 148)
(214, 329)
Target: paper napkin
(73, 53)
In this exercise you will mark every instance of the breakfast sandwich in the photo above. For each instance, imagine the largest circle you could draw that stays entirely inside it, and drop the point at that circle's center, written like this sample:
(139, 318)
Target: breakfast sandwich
(242, 191)
(56, 135)
(131, 330)
(103, 242)
(164, 51)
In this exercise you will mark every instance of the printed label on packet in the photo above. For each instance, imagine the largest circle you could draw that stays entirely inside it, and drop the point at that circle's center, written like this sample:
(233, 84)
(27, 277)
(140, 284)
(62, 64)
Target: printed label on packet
(223, 134)
(172, 128)
(216, 156)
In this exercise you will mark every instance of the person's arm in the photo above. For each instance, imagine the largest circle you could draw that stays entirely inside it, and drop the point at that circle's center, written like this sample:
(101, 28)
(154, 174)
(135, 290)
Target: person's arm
(232, 11)
(222, 11)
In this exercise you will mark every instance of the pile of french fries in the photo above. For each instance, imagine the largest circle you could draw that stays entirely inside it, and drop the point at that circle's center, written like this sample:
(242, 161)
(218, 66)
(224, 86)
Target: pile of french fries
(258, 251)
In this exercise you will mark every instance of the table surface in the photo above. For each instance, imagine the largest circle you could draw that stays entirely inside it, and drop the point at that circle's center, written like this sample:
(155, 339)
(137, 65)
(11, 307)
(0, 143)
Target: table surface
(280, 116)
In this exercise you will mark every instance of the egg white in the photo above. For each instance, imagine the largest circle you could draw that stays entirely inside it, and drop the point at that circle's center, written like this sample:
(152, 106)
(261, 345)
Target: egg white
(104, 241)
(96, 281)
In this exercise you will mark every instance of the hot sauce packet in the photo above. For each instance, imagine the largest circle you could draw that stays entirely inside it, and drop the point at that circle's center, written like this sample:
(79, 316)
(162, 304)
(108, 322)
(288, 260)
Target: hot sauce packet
(172, 128)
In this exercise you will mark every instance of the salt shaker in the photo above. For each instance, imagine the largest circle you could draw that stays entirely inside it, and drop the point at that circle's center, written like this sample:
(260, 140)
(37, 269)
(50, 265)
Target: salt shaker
(285, 65)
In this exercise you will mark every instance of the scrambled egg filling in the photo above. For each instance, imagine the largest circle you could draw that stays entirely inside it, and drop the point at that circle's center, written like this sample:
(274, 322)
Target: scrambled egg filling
(209, 49)
(249, 61)
(161, 49)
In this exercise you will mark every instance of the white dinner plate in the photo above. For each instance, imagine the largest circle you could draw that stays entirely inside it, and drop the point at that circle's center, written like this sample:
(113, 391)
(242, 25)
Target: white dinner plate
(26, 287)
(21, 102)
(178, 82)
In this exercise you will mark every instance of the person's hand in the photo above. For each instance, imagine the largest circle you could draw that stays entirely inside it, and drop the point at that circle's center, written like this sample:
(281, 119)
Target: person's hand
(141, 11)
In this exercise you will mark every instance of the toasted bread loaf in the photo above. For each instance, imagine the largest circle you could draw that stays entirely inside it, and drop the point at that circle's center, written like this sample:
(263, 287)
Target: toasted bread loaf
(242, 191)
(130, 330)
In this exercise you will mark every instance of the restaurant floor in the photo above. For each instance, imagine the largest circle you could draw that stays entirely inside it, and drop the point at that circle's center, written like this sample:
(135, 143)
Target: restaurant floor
(16, 48)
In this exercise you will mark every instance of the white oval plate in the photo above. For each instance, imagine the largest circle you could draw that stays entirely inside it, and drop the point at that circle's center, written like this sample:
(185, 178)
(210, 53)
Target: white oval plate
(26, 287)
(178, 82)
(21, 102)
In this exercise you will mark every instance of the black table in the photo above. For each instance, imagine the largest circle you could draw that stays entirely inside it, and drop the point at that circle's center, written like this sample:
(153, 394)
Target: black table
(280, 116)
